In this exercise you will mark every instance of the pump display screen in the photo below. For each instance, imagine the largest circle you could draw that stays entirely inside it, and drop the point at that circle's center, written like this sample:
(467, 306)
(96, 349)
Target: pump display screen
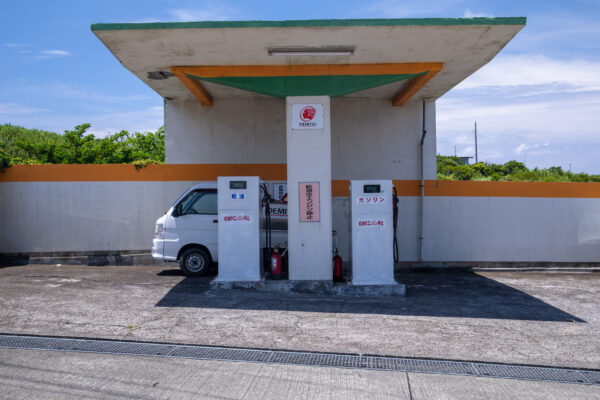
(371, 188)
(237, 185)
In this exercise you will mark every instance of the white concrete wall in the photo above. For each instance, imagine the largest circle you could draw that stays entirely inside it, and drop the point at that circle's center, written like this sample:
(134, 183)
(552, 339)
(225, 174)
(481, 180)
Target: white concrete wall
(371, 139)
(104, 216)
(232, 131)
(408, 227)
(511, 229)
(82, 216)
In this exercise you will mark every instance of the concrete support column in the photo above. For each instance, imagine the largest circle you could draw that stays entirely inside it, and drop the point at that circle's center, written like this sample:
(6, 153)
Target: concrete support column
(309, 161)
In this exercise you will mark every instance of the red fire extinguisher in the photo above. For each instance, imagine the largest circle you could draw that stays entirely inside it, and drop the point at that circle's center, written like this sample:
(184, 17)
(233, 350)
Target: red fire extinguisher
(337, 267)
(276, 263)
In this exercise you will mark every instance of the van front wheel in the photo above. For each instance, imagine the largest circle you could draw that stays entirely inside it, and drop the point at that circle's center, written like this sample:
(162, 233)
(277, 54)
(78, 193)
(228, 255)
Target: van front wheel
(195, 262)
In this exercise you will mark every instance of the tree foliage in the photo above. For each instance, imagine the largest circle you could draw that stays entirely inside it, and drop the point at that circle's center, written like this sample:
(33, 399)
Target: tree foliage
(451, 168)
(19, 145)
(5, 160)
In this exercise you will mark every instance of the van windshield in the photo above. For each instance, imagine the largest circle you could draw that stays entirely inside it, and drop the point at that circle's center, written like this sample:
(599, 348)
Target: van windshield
(199, 202)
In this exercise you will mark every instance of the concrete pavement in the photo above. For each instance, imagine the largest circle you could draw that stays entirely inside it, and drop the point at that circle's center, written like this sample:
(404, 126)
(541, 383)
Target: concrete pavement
(526, 318)
(26, 374)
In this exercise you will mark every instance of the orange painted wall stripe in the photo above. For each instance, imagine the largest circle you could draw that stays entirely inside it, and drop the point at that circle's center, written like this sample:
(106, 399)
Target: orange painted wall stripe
(219, 71)
(513, 189)
(127, 172)
(340, 188)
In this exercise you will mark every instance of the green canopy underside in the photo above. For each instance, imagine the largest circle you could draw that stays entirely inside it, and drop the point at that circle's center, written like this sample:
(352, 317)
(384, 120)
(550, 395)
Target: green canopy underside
(322, 85)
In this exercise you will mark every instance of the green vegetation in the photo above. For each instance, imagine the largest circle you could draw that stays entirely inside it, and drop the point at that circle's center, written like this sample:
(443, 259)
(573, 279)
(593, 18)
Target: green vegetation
(451, 168)
(31, 146)
(19, 145)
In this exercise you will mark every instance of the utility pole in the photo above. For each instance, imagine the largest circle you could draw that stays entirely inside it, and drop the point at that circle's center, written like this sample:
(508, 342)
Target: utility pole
(454, 151)
(476, 157)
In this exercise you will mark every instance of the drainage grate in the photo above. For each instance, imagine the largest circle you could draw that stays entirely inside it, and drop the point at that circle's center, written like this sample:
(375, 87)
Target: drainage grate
(587, 377)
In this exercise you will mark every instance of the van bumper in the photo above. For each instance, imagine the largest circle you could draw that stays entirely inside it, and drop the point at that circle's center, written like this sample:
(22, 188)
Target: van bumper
(157, 249)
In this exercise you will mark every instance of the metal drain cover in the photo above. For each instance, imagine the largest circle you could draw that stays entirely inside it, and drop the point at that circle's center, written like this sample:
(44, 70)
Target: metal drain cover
(489, 370)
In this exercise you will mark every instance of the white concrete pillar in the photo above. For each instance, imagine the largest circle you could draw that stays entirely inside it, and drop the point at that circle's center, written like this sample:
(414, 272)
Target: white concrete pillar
(309, 161)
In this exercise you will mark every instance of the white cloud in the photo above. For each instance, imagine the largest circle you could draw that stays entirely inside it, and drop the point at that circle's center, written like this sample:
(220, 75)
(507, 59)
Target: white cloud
(559, 119)
(106, 112)
(20, 48)
(16, 45)
(212, 13)
(10, 109)
(208, 10)
(469, 14)
(487, 154)
(59, 53)
(52, 53)
(93, 97)
(143, 20)
(539, 110)
(541, 130)
(524, 147)
(561, 31)
(24, 48)
(396, 9)
(147, 119)
(67, 91)
(534, 71)
(143, 120)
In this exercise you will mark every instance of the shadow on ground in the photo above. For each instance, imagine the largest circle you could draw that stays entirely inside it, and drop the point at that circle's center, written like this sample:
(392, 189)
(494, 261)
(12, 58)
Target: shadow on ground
(433, 294)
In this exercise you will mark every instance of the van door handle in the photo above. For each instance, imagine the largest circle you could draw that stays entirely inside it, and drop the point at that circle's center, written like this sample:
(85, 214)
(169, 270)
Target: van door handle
(215, 221)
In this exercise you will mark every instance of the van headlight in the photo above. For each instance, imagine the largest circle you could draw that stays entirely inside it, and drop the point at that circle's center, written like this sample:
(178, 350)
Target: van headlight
(159, 230)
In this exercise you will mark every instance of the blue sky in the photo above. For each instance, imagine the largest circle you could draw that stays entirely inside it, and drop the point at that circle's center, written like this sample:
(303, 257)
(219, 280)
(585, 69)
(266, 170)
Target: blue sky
(538, 101)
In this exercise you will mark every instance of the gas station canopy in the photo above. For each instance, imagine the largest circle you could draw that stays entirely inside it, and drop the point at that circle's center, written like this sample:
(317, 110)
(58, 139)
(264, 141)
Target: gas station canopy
(396, 59)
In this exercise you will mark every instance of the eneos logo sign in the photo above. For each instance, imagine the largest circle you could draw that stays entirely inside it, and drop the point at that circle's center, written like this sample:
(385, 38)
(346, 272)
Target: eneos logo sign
(307, 116)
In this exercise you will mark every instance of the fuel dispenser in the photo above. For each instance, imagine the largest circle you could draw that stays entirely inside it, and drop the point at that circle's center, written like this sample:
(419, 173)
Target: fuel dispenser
(372, 232)
(239, 224)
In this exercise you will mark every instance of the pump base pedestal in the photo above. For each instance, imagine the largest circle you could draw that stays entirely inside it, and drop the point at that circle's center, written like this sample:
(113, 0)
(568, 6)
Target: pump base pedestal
(393, 289)
(313, 287)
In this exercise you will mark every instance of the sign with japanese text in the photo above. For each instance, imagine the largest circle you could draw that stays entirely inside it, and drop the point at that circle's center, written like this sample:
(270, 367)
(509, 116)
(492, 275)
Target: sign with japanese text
(309, 201)
(307, 116)
(370, 223)
(236, 218)
(280, 191)
(368, 199)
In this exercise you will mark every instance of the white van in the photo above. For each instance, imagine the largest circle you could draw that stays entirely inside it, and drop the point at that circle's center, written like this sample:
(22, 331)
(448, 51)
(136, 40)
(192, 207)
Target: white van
(187, 233)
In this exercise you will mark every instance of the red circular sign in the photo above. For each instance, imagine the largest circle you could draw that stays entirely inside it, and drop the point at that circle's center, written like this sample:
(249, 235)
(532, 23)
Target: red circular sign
(307, 113)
